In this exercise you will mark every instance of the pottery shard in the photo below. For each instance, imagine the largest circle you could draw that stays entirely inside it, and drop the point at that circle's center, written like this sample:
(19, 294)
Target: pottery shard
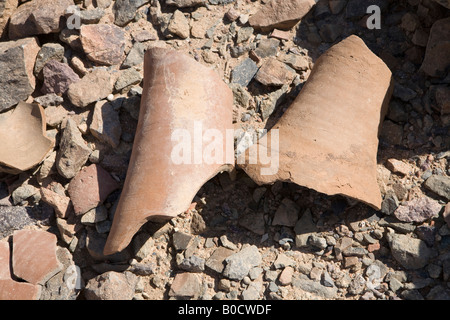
(103, 43)
(90, 187)
(93, 87)
(5, 273)
(17, 81)
(38, 17)
(73, 151)
(418, 210)
(280, 14)
(57, 77)
(437, 59)
(179, 95)
(306, 148)
(34, 256)
(7, 8)
(13, 290)
(23, 144)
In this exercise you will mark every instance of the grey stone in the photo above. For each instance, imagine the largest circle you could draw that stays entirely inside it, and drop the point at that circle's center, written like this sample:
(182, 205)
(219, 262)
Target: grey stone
(73, 152)
(215, 2)
(239, 264)
(111, 286)
(227, 243)
(404, 93)
(135, 56)
(317, 242)
(392, 222)
(95, 215)
(57, 77)
(14, 218)
(267, 48)
(49, 100)
(16, 65)
(304, 228)
(439, 185)
(193, 264)
(286, 214)
(253, 221)
(357, 285)
(327, 280)
(268, 103)
(127, 78)
(283, 261)
(244, 72)
(23, 192)
(91, 16)
(49, 51)
(181, 240)
(314, 287)
(125, 10)
(390, 204)
(409, 252)
(252, 292)
(143, 245)
(244, 34)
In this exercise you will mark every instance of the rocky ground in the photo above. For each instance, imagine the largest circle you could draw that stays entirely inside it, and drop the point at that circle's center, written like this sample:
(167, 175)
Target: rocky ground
(238, 240)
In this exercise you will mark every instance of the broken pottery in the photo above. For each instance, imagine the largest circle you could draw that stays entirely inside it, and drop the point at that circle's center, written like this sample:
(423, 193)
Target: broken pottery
(328, 137)
(23, 142)
(180, 95)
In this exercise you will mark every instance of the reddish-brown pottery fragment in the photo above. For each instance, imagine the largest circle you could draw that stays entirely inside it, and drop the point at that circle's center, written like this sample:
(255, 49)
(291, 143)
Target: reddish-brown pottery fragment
(23, 142)
(180, 95)
(328, 137)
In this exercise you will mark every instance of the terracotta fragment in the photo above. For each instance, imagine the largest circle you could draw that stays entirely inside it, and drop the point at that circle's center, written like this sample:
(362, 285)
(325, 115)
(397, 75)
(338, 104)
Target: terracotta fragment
(328, 138)
(179, 94)
(24, 143)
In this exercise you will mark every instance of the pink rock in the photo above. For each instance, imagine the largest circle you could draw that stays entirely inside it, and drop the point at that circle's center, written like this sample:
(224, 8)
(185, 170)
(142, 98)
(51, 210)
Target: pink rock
(398, 166)
(13, 290)
(281, 14)
(418, 210)
(60, 204)
(57, 77)
(34, 256)
(185, 284)
(286, 276)
(4, 261)
(90, 187)
(103, 43)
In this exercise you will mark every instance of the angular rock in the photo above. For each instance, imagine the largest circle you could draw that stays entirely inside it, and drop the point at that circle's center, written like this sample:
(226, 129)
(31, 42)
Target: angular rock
(34, 256)
(442, 97)
(57, 77)
(179, 25)
(181, 240)
(49, 51)
(185, 3)
(439, 185)
(445, 3)
(7, 7)
(135, 56)
(286, 214)
(125, 10)
(244, 72)
(437, 59)
(216, 261)
(280, 14)
(49, 100)
(127, 78)
(253, 221)
(304, 227)
(17, 81)
(59, 203)
(185, 284)
(73, 151)
(314, 287)
(239, 264)
(285, 278)
(193, 264)
(38, 17)
(103, 43)
(446, 214)
(267, 48)
(92, 87)
(409, 252)
(92, 16)
(111, 285)
(105, 124)
(418, 210)
(95, 215)
(14, 218)
(275, 73)
(90, 187)
(295, 61)
(397, 166)
(24, 143)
